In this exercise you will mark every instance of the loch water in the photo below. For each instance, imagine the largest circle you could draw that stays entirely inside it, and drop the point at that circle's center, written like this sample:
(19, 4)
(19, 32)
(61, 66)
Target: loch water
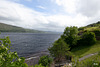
(29, 43)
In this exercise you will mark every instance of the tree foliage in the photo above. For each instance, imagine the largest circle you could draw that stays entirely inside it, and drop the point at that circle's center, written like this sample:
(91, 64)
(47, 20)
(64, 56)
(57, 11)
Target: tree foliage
(70, 35)
(59, 49)
(88, 38)
(45, 61)
(8, 58)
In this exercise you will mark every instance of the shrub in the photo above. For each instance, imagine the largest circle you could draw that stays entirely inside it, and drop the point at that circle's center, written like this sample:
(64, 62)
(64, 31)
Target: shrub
(97, 32)
(45, 61)
(88, 38)
(8, 58)
(59, 49)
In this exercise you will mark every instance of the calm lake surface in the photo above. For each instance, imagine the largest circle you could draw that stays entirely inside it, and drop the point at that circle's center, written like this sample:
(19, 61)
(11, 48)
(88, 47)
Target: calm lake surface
(29, 43)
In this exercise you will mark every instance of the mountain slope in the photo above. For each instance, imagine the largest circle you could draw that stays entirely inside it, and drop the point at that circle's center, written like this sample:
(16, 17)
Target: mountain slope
(10, 28)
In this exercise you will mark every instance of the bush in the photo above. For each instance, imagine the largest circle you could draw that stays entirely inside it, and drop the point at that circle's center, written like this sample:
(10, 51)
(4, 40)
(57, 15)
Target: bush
(97, 32)
(8, 58)
(88, 38)
(45, 61)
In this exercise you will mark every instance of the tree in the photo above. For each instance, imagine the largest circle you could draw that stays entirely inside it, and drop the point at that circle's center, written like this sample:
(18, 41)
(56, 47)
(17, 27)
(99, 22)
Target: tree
(70, 35)
(59, 49)
(45, 61)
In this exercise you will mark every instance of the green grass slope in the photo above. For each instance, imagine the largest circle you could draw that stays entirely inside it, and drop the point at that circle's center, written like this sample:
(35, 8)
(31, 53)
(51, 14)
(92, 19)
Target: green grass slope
(81, 51)
(90, 27)
(10, 28)
(85, 50)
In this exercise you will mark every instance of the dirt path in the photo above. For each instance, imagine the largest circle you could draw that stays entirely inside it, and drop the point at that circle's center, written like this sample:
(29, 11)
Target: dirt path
(87, 56)
(80, 59)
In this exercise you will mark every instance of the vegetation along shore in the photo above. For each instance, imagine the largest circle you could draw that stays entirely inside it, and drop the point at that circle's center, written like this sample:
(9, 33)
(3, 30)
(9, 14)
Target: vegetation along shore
(76, 47)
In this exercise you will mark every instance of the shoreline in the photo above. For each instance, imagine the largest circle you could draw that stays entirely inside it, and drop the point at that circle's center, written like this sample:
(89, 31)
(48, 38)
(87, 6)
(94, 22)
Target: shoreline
(34, 58)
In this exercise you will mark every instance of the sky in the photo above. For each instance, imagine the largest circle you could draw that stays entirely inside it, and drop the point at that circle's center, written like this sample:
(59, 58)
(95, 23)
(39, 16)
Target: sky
(49, 15)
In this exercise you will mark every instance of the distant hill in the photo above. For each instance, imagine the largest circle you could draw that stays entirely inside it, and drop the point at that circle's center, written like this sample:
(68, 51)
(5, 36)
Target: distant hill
(11, 28)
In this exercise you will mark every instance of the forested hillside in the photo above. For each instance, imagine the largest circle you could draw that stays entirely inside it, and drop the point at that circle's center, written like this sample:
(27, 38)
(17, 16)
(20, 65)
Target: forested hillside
(10, 28)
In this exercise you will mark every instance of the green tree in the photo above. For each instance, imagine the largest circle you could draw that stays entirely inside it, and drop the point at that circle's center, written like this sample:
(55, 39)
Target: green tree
(45, 61)
(59, 49)
(70, 35)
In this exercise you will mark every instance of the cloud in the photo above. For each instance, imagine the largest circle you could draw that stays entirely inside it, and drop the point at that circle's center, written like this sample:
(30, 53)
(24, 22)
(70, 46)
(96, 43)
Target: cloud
(86, 11)
(20, 0)
(89, 7)
(68, 5)
(29, 0)
(18, 14)
(41, 7)
(68, 20)
(86, 7)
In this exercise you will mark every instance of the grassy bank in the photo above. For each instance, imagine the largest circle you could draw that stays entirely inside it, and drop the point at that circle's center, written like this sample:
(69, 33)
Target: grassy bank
(81, 51)
(93, 61)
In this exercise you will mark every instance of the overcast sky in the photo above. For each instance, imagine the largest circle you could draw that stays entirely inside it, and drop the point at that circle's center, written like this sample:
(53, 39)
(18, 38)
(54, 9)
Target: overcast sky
(49, 15)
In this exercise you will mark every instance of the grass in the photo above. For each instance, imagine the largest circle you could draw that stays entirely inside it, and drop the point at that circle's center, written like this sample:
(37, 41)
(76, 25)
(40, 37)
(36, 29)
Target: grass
(94, 57)
(93, 61)
(85, 50)
(92, 28)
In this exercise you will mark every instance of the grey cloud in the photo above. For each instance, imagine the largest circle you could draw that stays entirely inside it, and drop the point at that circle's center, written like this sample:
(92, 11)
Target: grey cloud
(17, 14)
(9, 18)
(89, 7)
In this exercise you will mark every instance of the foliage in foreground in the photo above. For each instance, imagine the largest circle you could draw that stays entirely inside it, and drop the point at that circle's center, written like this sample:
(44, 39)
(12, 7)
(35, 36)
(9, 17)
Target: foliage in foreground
(8, 58)
(45, 61)
(11, 59)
